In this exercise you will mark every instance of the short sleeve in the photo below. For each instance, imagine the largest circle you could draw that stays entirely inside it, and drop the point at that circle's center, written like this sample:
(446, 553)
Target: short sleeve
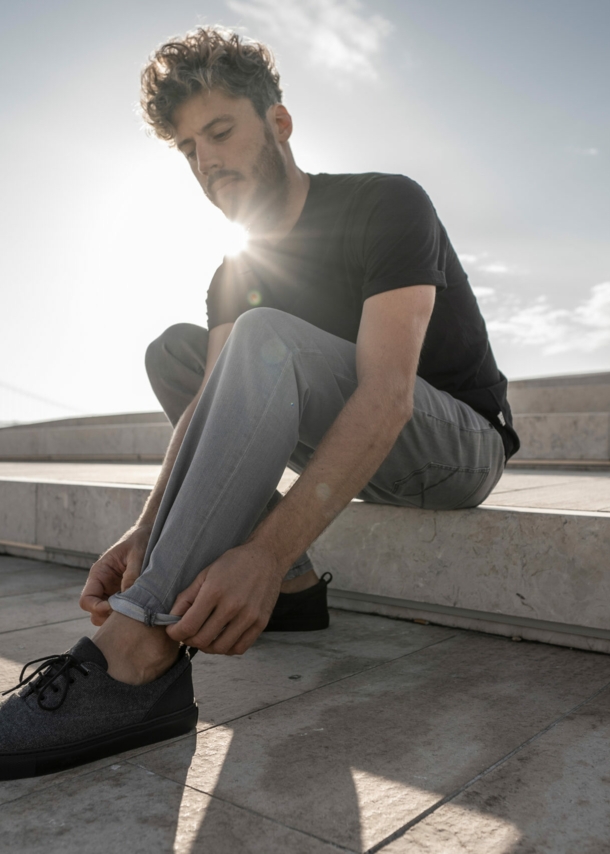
(213, 299)
(402, 239)
(231, 293)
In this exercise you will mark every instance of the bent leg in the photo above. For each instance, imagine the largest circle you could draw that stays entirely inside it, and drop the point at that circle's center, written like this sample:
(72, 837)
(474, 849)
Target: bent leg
(278, 386)
(175, 364)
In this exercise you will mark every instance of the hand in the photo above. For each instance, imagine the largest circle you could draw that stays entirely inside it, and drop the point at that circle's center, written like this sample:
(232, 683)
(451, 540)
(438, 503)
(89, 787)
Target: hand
(115, 571)
(230, 602)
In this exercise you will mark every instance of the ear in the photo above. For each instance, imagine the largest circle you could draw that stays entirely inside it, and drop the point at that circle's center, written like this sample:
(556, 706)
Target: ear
(281, 122)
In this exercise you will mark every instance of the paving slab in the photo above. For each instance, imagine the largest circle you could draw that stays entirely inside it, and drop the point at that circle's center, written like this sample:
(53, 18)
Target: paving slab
(121, 806)
(99, 473)
(355, 760)
(19, 576)
(386, 718)
(589, 492)
(282, 666)
(40, 609)
(552, 797)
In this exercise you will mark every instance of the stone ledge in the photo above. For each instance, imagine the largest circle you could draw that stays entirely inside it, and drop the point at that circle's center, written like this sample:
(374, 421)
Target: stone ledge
(564, 436)
(538, 570)
(568, 393)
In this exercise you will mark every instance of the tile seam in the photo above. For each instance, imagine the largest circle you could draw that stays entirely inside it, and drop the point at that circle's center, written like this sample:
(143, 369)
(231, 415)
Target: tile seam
(241, 807)
(43, 625)
(401, 831)
(152, 747)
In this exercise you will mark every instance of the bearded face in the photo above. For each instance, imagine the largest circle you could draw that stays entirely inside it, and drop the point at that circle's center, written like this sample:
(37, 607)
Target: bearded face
(234, 156)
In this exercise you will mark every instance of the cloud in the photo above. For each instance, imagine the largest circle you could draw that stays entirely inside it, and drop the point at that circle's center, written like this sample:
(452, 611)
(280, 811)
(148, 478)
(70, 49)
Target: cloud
(557, 330)
(586, 152)
(478, 263)
(337, 34)
(494, 268)
(483, 293)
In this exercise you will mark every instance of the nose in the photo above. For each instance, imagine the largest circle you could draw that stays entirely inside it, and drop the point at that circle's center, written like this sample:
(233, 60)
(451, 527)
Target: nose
(208, 159)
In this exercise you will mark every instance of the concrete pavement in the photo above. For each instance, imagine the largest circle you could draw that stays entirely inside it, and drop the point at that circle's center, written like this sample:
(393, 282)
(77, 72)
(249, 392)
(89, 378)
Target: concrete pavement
(375, 735)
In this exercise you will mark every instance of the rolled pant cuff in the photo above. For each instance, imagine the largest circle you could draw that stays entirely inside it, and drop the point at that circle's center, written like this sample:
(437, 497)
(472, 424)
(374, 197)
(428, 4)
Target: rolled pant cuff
(299, 568)
(122, 604)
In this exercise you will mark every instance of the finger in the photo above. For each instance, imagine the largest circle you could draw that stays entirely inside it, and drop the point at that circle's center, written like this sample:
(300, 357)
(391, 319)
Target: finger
(188, 596)
(194, 620)
(231, 634)
(93, 595)
(180, 606)
(207, 633)
(245, 641)
(132, 571)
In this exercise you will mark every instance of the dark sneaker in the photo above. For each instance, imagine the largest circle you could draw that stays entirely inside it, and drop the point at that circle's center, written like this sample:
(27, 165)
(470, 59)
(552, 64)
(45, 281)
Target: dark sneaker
(305, 611)
(69, 711)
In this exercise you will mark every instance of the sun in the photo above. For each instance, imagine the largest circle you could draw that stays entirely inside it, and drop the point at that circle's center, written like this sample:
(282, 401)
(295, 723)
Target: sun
(234, 238)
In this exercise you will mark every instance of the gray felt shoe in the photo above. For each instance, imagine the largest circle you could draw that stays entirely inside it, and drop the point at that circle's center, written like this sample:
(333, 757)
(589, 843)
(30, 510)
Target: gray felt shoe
(69, 711)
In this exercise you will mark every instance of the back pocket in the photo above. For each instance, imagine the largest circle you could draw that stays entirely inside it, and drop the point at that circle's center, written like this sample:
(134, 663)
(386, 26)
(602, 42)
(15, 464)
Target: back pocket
(440, 487)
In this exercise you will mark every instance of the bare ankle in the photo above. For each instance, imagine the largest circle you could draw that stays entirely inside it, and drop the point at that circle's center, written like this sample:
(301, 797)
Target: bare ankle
(301, 582)
(135, 653)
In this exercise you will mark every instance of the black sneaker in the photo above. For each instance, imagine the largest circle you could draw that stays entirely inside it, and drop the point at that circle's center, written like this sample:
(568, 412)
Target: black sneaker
(69, 711)
(305, 611)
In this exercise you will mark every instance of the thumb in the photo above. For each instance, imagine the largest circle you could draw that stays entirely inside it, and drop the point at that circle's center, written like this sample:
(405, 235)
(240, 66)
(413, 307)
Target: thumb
(132, 571)
(185, 599)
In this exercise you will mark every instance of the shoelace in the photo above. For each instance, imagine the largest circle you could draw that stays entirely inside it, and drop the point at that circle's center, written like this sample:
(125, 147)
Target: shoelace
(47, 679)
(52, 667)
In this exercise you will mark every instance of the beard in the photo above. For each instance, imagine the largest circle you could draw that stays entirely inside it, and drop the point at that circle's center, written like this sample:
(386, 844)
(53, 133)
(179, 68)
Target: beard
(267, 204)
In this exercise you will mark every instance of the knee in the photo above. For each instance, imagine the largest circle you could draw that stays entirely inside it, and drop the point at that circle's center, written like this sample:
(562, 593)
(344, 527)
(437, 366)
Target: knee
(265, 333)
(168, 347)
(262, 321)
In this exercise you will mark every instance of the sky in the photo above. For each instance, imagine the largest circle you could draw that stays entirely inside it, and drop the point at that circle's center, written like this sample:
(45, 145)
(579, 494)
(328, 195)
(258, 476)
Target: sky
(500, 110)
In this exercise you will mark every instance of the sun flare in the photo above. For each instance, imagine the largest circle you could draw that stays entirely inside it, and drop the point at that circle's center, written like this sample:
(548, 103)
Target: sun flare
(234, 238)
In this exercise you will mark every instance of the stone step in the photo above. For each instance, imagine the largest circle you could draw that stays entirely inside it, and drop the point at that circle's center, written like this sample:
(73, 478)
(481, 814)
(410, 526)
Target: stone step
(530, 563)
(567, 393)
(143, 437)
(564, 436)
(134, 437)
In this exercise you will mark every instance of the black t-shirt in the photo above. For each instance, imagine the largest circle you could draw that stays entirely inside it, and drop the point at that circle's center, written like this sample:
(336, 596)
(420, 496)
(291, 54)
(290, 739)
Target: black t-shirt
(361, 235)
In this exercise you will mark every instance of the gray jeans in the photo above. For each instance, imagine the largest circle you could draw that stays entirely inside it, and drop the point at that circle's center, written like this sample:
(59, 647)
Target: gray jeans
(276, 388)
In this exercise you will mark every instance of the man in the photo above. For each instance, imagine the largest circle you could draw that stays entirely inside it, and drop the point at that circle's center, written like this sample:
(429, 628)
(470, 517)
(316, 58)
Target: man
(345, 342)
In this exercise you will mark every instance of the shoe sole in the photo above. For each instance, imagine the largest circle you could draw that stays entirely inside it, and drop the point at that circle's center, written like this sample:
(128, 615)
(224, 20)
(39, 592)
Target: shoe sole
(14, 766)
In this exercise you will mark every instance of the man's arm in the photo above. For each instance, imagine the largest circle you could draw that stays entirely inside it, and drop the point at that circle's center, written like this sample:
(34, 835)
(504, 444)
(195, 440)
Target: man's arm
(389, 343)
(119, 567)
(228, 605)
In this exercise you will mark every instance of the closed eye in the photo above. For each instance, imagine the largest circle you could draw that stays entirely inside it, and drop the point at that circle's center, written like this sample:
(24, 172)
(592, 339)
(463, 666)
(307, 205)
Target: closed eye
(223, 135)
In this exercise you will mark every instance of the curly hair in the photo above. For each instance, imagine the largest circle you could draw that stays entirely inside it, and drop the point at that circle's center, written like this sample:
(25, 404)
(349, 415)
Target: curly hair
(204, 59)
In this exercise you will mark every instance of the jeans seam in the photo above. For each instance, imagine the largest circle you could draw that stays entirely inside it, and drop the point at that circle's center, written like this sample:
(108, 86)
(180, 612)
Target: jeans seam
(229, 480)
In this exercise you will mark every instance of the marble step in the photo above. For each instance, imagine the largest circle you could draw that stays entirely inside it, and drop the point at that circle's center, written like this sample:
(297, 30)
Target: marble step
(133, 437)
(564, 436)
(567, 393)
(529, 563)
(143, 437)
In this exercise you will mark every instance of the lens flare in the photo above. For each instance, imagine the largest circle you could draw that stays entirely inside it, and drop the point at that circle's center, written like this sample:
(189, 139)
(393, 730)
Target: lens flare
(235, 238)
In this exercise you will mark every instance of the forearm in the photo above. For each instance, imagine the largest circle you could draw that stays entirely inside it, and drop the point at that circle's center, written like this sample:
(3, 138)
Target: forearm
(351, 452)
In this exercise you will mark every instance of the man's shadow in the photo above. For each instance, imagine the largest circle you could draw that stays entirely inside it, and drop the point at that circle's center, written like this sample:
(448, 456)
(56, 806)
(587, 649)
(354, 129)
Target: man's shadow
(351, 764)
